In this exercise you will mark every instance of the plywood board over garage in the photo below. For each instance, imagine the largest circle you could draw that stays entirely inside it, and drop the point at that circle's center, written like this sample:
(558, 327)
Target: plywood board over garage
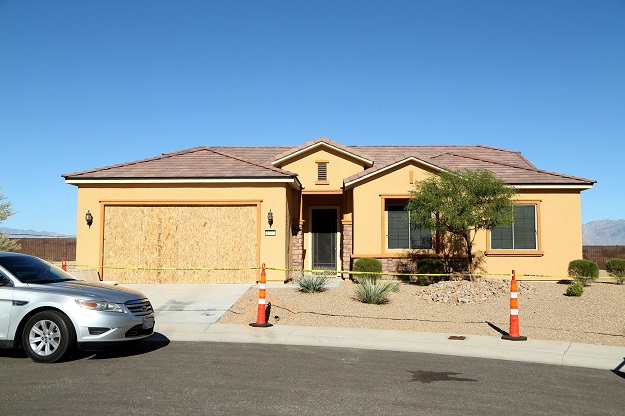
(164, 237)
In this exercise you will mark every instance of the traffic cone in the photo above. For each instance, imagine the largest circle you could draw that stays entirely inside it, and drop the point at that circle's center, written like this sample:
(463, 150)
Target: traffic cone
(261, 318)
(64, 265)
(514, 335)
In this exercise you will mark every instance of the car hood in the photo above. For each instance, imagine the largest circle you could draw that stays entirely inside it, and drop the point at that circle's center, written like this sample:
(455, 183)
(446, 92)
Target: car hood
(84, 290)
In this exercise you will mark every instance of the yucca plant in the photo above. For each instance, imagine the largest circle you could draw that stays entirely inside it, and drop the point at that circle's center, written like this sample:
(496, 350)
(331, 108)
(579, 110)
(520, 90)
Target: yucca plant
(374, 291)
(312, 282)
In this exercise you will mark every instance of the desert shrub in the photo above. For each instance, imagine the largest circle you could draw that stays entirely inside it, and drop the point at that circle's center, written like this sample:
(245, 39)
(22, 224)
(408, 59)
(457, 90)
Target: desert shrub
(576, 289)
(616, 269)
(426, 266)
(369, 267)
(312, 282)
(584, 271)
(374, 291)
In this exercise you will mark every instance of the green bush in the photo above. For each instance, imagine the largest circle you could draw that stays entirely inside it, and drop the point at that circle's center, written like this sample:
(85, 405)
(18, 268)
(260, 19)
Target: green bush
(576, 289)
(616, 269)
(369, 267)
(426, 266)
(584, 271)
(312, 282)
(374, 291)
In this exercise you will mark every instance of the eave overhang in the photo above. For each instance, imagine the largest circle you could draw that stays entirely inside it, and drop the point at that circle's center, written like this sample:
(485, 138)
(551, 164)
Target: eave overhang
(293, 182)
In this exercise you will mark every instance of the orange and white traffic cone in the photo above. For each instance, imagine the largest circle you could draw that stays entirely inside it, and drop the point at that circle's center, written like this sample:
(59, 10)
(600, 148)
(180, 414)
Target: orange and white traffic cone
(514, 335)
(64, 265)
(261, 318)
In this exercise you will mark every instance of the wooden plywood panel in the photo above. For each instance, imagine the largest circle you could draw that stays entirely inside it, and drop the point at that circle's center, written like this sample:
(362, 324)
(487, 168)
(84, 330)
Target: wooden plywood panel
(180, 237)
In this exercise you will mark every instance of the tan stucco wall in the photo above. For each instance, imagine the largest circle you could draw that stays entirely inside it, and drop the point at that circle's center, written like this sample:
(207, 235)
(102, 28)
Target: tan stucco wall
(273, 250)
(368, 212)
(560, 224)
(560, 234)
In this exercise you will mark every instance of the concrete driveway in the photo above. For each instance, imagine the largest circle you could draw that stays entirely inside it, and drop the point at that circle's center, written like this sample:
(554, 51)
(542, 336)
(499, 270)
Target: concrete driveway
(192, 304)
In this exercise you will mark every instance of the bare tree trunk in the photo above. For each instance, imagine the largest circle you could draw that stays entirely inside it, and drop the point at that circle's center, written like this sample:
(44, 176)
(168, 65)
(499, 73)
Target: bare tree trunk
(469, 245)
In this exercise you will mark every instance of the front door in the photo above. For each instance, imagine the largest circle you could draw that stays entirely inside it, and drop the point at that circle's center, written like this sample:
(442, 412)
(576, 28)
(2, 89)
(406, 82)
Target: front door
(324, 233)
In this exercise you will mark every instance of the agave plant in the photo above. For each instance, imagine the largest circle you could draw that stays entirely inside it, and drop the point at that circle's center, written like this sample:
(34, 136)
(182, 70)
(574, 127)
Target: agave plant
(312, 282)
(375, 291)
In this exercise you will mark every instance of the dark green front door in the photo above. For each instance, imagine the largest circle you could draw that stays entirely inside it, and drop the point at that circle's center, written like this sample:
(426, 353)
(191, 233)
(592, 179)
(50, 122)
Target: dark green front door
(324, 231)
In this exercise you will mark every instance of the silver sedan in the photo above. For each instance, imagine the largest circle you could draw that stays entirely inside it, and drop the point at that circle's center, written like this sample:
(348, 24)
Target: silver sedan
(47, 312)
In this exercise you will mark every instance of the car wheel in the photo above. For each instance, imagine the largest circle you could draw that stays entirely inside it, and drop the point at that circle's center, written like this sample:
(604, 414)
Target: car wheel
(47, 336)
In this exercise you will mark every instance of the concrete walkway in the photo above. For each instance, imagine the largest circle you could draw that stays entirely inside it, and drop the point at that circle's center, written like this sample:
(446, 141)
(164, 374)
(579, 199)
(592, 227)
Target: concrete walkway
(190, 313)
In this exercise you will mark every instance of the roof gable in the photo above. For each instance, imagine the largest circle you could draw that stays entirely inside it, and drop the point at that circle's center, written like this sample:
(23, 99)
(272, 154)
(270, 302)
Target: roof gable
(390, 165)
(321, 142)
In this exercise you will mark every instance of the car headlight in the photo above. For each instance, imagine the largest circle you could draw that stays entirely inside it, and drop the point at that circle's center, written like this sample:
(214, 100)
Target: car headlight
(99, 305)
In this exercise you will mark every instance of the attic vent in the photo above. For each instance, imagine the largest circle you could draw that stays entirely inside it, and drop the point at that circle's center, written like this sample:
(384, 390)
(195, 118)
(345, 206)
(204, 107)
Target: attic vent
(322, 171)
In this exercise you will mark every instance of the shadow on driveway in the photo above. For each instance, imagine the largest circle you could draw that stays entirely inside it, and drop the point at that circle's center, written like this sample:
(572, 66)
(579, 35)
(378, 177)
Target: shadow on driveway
(153, 343)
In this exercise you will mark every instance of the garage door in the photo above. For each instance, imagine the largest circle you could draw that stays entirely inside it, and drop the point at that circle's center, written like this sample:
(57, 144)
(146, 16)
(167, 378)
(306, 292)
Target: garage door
(180, 237)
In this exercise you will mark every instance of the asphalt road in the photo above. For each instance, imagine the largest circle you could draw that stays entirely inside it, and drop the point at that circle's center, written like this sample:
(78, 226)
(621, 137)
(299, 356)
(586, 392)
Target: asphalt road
(181, 378)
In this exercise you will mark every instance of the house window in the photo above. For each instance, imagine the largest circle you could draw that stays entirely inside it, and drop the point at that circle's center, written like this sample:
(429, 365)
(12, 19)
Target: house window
(403, 233)
(521, 235)
(322, 171)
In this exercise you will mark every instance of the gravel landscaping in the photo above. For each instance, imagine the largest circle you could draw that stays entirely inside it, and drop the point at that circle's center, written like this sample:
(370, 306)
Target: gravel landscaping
(456, 307)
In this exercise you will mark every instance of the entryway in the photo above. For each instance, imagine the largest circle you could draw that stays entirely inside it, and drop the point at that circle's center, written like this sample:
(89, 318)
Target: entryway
(324, 238)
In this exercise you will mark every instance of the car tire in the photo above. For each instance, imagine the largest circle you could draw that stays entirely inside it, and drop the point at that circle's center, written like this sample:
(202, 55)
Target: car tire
(47, 336)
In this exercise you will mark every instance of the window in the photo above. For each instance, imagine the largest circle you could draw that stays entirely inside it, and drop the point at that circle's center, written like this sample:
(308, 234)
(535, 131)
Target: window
(402, 233)
(522, 235)
(322, 171)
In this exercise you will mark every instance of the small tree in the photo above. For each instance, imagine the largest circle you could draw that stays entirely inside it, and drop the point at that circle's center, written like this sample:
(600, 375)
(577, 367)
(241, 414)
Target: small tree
(461, 203)
(616, 269)
(583, 271)
(368, 268)
(6, 212)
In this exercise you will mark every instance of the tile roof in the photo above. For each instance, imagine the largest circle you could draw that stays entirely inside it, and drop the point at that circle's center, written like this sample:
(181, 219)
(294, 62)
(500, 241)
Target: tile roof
(198, 162)
(226, 162)
(510, 173)
(323, 140)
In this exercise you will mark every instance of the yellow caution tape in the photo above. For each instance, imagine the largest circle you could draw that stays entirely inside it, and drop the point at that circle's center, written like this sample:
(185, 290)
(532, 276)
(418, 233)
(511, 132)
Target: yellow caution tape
(321, 271)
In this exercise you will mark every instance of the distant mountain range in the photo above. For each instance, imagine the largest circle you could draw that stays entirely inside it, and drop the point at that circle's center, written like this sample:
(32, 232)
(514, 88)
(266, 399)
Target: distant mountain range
(604, 233)
(594, 233)
(29, 233)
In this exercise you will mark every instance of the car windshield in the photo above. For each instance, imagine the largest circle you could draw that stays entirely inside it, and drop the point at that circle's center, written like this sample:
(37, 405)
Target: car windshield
(32, 270)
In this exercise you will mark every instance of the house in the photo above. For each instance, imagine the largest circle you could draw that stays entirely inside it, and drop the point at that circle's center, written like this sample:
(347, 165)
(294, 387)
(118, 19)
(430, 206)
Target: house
(221, 212)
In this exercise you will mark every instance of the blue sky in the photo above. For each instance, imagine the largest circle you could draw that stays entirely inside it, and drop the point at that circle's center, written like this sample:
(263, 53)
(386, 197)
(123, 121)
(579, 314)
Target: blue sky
(85, 84)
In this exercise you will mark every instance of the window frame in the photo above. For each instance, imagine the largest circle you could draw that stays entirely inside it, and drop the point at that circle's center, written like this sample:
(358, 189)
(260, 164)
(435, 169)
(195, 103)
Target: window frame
(400, 202)
(490, 251)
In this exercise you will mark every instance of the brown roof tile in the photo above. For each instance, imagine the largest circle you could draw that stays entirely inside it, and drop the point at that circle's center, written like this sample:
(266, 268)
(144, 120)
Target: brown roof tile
(199, 162)
(256, 162)
(509, 173)
(351, 149)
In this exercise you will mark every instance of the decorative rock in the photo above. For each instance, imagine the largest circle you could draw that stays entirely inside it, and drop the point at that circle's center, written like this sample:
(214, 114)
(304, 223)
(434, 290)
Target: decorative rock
(464, 292)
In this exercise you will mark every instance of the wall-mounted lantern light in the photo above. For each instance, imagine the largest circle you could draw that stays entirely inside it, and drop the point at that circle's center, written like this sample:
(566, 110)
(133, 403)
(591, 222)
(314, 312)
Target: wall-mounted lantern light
(89, 218)
(270, 218)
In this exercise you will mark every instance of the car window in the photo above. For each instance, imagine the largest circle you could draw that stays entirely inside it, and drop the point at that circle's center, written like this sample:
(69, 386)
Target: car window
(32, 270)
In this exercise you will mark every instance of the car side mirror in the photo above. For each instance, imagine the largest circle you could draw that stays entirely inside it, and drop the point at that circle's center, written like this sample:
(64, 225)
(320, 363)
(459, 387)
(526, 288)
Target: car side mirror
(4, 281)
